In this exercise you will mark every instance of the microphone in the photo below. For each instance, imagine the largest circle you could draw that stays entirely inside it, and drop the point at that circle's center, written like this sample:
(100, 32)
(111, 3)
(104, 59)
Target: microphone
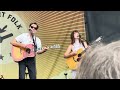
(29, 29)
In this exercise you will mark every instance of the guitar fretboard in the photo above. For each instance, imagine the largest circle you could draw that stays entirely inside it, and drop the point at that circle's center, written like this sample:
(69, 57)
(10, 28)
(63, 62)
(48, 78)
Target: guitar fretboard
(97, 40)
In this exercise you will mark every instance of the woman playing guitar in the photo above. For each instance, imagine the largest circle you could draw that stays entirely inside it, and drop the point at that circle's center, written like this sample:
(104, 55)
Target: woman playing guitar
(76, 44)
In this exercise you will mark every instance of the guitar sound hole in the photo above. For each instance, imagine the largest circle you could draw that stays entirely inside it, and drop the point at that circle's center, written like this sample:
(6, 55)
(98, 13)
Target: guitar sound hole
(28, 50)
(78, 59)
(79, 55)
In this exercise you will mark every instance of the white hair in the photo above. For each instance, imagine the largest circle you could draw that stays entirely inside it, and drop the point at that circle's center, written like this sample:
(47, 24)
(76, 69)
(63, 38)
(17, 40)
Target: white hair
(101, 61)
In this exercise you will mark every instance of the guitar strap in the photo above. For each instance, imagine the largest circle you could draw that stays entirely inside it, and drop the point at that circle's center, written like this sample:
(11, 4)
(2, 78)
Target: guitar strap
(35, 46)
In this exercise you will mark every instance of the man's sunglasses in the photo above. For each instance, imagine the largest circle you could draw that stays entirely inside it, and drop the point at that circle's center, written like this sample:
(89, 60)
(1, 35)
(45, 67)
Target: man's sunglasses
(34, 27)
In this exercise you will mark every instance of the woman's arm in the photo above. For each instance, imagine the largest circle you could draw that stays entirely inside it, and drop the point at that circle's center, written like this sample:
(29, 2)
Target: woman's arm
(68, 52)
(85, 44)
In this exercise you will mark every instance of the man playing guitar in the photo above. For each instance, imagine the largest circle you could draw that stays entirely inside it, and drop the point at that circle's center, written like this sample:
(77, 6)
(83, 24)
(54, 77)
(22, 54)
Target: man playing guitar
(23, 41)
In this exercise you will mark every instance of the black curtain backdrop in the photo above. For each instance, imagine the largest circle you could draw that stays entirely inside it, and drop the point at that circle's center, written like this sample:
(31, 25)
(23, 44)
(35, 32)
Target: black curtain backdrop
(102, 23)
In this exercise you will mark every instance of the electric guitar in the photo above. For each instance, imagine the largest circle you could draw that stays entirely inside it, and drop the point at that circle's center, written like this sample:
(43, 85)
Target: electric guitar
(74, 60)
(18, 53)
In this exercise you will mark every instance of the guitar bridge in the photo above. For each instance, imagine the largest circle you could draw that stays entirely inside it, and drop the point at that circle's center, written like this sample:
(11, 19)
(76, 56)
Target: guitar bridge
(74, 59)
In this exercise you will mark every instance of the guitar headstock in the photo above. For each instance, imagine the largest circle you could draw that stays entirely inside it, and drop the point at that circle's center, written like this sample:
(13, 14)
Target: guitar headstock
(99, 39)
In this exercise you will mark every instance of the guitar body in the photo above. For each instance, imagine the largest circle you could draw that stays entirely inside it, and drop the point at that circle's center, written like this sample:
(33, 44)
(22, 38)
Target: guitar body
(72, 61)
(18, 53)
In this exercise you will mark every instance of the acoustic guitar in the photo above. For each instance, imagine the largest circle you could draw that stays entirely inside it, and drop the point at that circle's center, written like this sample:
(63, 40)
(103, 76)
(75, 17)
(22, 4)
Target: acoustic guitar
(74, 60)
(19, 53)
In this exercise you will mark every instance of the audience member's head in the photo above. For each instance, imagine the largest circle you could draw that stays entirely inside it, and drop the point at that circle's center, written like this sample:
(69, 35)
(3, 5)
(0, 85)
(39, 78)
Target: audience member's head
(101, 61)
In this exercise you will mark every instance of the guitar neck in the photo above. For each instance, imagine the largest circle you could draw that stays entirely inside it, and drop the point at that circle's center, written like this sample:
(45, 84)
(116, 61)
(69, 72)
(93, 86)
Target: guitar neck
(97, 40)
(55, 46)
(83, 51)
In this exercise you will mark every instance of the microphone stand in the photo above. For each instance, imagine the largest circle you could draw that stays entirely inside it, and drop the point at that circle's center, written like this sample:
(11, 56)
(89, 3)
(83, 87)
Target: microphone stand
(65, 75)
(1, 77)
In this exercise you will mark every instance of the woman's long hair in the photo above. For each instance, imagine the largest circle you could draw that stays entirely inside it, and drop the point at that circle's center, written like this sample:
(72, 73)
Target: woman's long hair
(73, 39)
